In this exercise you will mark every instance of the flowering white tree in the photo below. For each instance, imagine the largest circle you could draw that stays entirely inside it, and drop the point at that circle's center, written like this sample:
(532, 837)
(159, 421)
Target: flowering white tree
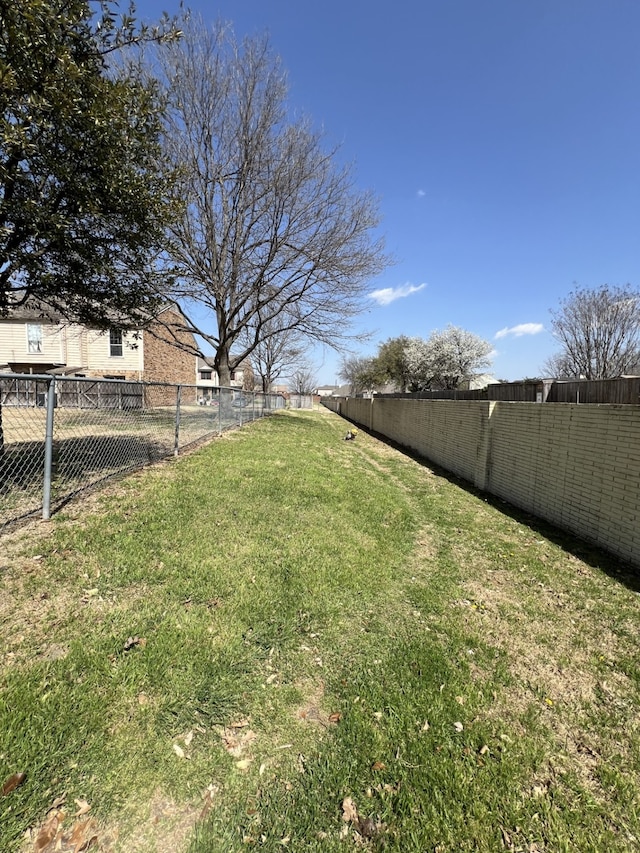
(443, 360)
(418, 364)
(454, 354)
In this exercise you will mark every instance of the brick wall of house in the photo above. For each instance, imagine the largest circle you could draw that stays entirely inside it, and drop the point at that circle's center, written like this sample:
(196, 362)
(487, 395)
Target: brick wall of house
(577, 466)
(164, 361)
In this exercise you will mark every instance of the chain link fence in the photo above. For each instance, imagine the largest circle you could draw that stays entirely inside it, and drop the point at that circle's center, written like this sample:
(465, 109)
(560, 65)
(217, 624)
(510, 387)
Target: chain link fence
(59, 435)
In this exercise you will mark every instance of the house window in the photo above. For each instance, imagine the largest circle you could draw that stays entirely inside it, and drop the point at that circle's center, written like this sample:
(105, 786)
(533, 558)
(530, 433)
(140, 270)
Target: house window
(115, 342)
(34, 337)
(232, 375)
(205, 374)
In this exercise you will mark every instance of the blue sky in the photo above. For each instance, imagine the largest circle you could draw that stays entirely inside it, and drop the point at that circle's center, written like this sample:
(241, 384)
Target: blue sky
(502, 139)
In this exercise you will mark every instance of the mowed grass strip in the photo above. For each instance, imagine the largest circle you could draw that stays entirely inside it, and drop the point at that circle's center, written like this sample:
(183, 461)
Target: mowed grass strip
(289, 641)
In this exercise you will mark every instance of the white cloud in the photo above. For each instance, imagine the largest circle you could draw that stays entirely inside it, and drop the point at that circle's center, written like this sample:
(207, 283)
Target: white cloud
(387, 295)
(520, 330)
(421, 193)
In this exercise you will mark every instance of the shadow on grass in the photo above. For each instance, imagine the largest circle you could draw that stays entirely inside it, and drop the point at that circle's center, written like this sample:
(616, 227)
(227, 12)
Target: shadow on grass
(77, 464)
(595, 556)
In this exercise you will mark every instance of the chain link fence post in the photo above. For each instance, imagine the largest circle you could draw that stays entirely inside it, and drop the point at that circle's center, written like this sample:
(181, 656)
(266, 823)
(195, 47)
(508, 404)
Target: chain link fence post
(176, 443)
(48, 451)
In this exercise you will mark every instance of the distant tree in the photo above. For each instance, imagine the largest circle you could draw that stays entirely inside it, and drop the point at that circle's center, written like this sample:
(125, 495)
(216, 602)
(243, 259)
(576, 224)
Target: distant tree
(443, 360)
(420, 365)
(303, 380)
(455, 354)
(362, 374)
(83, 200)
(276, 352)
(391, 362)
(599, 333)
(273, 227)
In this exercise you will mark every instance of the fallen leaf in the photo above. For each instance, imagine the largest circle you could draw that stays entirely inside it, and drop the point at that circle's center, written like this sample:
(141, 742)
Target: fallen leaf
(83, 807)
(48, 832)
(83, 835)
(335, 717)
(272, 678)
(179, 751)
(244, 764)
(235, 744)
(188, 738)
(425, 726)
(458, 726)
(349, 811)
(483, 749)
(506, 839)
(131, 642)
(378, 765)
(11, 783)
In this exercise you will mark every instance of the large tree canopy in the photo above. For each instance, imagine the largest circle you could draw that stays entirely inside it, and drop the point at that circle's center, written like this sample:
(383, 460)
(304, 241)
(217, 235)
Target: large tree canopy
(275, 235)
(599, 333)
(83, 205)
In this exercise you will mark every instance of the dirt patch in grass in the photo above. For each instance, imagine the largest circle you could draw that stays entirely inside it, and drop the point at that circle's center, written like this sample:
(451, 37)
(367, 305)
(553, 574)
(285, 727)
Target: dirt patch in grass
(164, 827)
(550, 637)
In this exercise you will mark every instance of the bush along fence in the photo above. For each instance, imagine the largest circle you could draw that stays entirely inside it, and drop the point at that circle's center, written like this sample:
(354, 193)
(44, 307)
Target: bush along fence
(576, 466)
(59, 435)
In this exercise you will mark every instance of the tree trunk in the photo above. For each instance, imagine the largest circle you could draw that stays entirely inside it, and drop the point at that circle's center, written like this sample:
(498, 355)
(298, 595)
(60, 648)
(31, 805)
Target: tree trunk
(221, 364)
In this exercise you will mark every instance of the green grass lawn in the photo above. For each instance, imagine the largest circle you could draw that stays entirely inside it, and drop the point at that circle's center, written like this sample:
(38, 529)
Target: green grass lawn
(289, 641)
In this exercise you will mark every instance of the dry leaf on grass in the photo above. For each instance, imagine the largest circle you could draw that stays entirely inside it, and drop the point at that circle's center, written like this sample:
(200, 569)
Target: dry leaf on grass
(349, 811)
(83, 835)
(11, 783)
(131, 642)
(236, 743)
(83, 807)
(48, 831)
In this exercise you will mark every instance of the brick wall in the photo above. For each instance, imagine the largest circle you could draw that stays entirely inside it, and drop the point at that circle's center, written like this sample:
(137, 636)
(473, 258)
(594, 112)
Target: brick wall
(165, 362)
(576, 466)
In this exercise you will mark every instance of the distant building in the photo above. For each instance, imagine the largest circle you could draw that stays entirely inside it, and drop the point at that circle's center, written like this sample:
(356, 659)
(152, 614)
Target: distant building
(34, 343)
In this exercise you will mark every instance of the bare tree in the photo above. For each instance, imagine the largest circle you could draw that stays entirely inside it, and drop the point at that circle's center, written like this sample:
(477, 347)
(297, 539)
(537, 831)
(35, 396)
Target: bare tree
(272, 226)
(303, 380)
(278, 350)
(599, 333)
